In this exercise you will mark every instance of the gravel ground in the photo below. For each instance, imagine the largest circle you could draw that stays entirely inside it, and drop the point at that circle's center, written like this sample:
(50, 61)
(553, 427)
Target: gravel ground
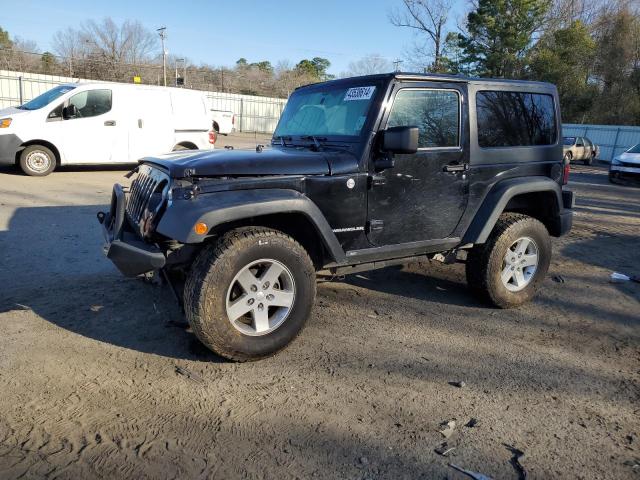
(97, 382)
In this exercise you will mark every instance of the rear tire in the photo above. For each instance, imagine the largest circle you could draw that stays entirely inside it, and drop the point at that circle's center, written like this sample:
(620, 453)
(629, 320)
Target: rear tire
(37, 161)
(262, 277)
(589, 161)
(502, 270)
(567, 157)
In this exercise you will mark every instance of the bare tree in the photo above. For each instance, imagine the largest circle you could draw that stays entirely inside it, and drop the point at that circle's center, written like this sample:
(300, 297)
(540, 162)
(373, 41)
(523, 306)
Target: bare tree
(427, 18)
(101, 49)
(368, 65)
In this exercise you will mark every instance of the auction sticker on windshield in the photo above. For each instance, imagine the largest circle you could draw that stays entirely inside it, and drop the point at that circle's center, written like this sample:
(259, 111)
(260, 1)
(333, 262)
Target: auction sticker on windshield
(359, 93)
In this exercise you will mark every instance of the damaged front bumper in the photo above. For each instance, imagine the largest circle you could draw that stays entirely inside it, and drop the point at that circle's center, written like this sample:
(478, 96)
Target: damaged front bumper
(131, 255)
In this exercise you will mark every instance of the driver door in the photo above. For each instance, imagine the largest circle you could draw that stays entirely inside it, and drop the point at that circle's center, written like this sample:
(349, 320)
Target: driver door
(95, 134)
(423, 196)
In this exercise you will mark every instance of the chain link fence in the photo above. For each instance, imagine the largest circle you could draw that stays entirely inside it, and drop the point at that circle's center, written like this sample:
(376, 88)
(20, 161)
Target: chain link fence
(253, 114)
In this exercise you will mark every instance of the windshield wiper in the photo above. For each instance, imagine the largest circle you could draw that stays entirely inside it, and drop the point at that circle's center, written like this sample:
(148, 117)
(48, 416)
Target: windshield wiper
(316, 140)
(282, 139)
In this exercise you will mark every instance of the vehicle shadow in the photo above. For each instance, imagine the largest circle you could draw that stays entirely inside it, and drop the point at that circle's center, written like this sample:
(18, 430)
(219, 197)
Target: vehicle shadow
(431, 282)
(62, 276)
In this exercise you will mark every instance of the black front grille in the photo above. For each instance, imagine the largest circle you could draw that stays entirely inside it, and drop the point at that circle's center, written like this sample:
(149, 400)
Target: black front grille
(148, 182)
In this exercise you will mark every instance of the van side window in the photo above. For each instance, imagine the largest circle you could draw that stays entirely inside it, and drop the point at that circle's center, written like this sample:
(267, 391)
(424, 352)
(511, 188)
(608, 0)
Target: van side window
(515, 119)
(55, 114)
(436, 113)
(91, 103)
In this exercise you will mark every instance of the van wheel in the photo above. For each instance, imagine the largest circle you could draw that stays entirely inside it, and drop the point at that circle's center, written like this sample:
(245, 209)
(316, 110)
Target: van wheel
(249, 295)
(509, 268)
(37, 161)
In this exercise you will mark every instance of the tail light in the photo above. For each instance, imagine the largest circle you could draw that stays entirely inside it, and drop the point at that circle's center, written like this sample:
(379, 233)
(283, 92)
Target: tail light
(565, 173)
(212, 137)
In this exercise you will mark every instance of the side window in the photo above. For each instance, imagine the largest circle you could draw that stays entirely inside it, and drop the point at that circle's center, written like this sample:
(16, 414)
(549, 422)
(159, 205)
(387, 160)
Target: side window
(435, 112)
(91, 103)
(580, 142)
(55, 114)
(515, 119)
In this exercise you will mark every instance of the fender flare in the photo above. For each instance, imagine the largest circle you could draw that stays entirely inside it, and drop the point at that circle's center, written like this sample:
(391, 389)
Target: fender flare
(497, 199)
(218, 208)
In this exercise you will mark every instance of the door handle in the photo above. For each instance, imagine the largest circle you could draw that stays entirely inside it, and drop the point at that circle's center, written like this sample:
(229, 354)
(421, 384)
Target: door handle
(462, 167)
(110, 123)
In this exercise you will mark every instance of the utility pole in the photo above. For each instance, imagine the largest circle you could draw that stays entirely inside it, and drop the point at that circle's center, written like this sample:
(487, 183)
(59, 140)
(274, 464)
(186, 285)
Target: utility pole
(396, 64)
(162, 32)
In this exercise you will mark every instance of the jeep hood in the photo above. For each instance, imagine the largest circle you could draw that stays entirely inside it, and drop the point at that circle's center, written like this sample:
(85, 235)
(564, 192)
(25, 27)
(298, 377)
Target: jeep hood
(271, 161)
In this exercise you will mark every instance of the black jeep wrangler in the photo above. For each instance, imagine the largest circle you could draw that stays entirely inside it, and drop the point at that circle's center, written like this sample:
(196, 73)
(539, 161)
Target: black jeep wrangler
(361, 173)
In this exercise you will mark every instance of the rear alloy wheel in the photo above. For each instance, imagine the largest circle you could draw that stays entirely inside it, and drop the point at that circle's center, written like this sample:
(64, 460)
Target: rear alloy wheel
(37, 161)
(249, 295)
(510, 266)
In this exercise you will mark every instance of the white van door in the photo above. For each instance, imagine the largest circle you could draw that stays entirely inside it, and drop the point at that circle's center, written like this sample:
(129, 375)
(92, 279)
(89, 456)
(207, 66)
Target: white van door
(151, 131)
(97, 132)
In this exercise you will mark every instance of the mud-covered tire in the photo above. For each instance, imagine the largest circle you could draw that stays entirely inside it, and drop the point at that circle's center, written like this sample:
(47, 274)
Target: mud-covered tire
(213, 275)
(37, 161)
(486, 262)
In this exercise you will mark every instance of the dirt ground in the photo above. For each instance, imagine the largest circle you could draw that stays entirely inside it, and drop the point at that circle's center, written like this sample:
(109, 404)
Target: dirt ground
(97, 382)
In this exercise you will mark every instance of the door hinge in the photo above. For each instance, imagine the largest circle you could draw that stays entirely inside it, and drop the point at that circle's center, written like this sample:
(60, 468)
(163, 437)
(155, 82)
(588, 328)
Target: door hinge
(375, 226)
(376, 180)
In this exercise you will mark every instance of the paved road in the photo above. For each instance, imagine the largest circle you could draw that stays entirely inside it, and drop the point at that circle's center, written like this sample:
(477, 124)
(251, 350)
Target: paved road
(96, 382)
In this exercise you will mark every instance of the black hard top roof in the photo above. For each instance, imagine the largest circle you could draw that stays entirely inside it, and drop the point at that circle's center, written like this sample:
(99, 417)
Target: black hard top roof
(435, 77)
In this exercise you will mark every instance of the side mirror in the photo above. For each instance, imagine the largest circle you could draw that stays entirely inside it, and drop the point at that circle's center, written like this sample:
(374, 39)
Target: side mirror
(69, 111)
(400, 140)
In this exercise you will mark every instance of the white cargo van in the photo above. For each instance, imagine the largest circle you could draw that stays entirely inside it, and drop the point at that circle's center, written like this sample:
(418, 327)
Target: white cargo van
(102, 123)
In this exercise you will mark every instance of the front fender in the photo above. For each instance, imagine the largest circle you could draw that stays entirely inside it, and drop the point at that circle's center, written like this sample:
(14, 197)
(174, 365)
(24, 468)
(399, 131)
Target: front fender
(218, 208)
(498, 198)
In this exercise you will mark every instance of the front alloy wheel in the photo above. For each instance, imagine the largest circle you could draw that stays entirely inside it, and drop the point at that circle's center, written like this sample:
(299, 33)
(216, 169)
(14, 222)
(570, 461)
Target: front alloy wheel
(260, 297)
(250, 293)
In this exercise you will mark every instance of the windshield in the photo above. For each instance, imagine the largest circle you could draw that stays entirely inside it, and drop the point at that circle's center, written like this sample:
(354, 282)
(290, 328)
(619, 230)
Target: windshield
(329, 110)
(46, 98)
(634, 149)
(569, 140)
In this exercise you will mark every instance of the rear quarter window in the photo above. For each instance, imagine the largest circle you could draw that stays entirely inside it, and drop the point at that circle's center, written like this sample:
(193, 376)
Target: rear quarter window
(515, 119)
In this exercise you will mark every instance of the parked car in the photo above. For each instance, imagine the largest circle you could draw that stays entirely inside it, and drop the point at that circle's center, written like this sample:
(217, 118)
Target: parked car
(580, 148)
(362, 173)
(625, 165)
(223, 121)
(101, 123)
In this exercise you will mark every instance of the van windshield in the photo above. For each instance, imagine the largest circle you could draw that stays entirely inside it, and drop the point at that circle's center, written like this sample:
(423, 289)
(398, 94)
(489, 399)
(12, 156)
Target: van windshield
(328, 110)
(46, 98)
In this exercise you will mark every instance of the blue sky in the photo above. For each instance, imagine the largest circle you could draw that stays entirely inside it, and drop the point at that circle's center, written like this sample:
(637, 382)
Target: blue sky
(220, 32)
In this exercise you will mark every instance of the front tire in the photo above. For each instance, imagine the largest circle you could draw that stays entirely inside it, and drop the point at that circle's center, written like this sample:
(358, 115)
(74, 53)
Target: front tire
(37, 161)
(509, 268)
(568, 157)
(249, 295)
